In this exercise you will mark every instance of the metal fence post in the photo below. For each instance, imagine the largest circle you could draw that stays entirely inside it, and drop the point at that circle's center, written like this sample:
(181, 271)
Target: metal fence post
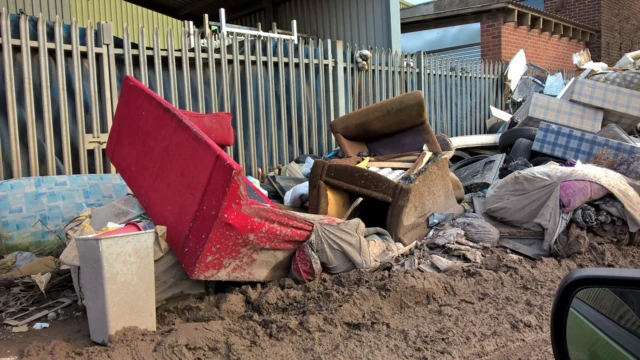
(338, 93)
(422, 84)
(109, 83)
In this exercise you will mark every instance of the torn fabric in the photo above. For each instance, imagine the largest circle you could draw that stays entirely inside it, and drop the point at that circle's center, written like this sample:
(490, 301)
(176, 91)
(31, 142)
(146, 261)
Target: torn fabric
(340, 246)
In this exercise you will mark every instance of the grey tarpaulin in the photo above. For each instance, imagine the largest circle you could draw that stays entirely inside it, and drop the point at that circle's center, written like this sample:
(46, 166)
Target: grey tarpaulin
(531, 198)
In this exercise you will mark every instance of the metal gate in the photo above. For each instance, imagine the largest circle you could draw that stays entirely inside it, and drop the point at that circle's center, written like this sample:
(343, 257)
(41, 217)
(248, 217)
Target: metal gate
(61, 86)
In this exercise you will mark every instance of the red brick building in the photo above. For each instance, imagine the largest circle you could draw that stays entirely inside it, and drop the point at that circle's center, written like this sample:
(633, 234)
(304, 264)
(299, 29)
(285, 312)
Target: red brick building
(501, 41)
(617, 23)
(548, 38)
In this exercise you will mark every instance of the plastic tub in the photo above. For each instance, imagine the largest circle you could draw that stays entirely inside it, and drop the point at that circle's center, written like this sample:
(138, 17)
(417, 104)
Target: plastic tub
(118, 283)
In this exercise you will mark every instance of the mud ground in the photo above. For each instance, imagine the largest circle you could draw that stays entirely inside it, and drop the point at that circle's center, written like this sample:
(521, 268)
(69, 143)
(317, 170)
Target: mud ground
(499, 310)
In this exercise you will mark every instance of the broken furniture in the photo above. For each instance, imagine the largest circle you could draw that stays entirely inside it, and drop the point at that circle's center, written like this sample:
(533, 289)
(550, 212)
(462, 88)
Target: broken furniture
(187, 183)
(390, 127)
(217, 128)
(118, 282)
(401, 207)
(565, 143)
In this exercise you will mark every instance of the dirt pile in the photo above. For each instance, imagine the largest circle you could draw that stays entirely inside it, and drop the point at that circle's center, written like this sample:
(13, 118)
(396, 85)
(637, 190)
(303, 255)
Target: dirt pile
(499, 310)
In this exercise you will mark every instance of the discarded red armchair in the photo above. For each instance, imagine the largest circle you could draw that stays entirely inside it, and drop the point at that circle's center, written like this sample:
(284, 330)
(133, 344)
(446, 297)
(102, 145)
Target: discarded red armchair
(219, 226)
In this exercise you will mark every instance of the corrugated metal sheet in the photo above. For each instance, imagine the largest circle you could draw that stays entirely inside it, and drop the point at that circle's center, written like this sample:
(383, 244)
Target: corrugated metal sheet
(48, 8)
(362, 22)
(468, 52)
(253, 19)
(120, 12)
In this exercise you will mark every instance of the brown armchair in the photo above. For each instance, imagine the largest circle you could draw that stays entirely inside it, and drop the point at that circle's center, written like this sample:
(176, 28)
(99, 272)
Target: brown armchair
(395, 126)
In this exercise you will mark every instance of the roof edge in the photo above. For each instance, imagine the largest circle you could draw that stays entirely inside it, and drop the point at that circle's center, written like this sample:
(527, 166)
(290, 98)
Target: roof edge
(483, 8)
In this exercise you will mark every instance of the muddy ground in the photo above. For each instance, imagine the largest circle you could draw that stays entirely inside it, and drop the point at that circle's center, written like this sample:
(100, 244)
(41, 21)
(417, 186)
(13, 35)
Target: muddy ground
(499, 310)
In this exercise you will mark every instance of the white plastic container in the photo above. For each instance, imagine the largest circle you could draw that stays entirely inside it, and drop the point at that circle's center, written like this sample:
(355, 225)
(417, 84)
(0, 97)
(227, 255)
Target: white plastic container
(117, 277)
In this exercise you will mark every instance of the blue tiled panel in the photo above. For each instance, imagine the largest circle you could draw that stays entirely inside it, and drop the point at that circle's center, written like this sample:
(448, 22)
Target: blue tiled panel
(33, 211)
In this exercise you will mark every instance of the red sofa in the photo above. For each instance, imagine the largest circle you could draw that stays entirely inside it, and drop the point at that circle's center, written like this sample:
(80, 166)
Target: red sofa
(185, 181)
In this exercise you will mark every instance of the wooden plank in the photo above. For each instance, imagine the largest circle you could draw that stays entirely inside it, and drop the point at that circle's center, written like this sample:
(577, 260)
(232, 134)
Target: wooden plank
(407, 158)
(389, 164)
(420, 162)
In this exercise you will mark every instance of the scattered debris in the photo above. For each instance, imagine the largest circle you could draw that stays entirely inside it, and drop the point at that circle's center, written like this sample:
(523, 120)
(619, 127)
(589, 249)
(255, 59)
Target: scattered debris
(445, 265)
(480, 175)
(394, 196)
(20, 329)
(40, 326)
(530, 197)
(528, 251)
(38, 312)
(478, 230)
(362, 59)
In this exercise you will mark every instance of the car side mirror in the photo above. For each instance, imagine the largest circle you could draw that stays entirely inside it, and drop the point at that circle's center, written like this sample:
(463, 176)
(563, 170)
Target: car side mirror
(596, 315)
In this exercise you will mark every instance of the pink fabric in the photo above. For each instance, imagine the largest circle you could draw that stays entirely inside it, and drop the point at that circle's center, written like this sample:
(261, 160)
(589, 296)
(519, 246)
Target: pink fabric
(576, 193)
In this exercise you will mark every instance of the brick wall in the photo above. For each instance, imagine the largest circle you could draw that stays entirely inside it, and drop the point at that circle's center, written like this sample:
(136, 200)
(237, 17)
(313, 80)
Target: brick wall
(548, 52)
(491, 38)
(620, 29)
(502, 42)
(587, 12)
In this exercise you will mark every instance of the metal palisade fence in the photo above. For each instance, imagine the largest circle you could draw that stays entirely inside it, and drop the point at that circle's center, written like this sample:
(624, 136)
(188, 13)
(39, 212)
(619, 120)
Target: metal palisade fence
(60, 84)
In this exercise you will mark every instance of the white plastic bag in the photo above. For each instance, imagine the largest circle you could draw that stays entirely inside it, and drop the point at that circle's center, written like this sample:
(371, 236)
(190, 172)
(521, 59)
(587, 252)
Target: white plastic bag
(298, 195)
(306, 168)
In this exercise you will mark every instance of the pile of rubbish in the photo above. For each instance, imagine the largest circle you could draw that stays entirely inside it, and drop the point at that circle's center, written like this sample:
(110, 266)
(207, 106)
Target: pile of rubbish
(555, 175)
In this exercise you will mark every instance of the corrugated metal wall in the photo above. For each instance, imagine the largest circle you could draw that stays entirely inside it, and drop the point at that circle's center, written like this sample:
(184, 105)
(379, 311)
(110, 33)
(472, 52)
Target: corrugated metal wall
(254, 18)
(467, 52)
(362, 22)
(48, 8)
(120, 12)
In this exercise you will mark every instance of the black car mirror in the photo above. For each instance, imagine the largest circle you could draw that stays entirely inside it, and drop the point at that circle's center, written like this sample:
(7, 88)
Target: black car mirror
(596, 315)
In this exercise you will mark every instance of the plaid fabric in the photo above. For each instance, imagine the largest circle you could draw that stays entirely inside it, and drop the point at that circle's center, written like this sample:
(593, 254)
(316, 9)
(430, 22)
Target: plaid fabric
(621, 106)
(561, 112)
(567, 143)
(627, 79)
